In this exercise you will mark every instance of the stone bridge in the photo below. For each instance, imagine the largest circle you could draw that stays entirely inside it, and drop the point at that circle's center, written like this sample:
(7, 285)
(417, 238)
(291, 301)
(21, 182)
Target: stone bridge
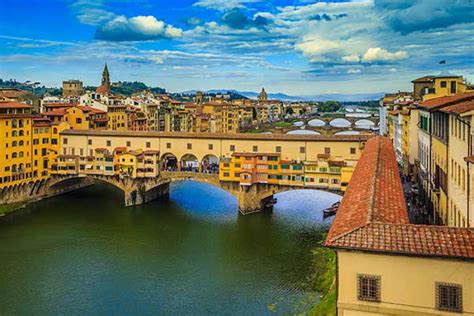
(252, 198)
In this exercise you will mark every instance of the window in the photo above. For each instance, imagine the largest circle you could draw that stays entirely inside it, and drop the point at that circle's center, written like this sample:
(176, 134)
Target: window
(302, 150)
(327, 150)
(449, 297)
(278, 149)
(78, 120)
(232, 148)
(189, 146)
(226, 174)
(89, 141)
(255, 148)
(168, 145)
(368, 288)
(109, 143)
(443, 84)
(148, 144)
(353, 150)
(65, 141)
(211, 147)
(128, 144)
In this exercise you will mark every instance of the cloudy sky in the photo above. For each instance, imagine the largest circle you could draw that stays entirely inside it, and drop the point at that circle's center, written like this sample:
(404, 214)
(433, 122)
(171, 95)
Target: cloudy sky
(299, 47)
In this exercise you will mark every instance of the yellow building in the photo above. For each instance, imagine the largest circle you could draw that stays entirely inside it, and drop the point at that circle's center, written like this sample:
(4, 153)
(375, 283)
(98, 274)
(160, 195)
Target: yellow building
(16, 155)
(445, 84)
(117, 117)
(460, 177)
(448, 172)
(387, 266)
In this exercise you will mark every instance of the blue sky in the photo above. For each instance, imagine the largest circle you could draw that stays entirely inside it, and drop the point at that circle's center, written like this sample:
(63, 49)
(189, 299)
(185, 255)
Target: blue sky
(299, 47)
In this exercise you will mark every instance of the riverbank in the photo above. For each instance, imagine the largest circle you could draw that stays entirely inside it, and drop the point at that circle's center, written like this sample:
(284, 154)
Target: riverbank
(323, 280)
(6, 209)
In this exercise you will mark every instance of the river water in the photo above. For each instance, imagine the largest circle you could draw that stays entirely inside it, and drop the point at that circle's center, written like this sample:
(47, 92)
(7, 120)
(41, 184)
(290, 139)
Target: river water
(83, 253)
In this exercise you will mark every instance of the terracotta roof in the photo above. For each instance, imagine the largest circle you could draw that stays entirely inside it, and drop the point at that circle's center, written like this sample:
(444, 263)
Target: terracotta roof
(86, 108)
(424, 79)
(437, 241)
(59, 105)
(445, 101)
(373, 216)
(55, 112)
(459, 108)
(14, 105)
(13, 92)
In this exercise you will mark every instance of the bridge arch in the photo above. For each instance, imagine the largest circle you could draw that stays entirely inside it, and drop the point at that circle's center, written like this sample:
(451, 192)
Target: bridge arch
(210, 164)
(364, 123)
(169, 162)
(189, 162)
(340, 122)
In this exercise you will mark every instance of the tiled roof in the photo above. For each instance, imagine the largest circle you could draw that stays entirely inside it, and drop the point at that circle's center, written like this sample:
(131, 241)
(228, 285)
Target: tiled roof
(424, 79)
(459, 108)
(14, 105)
(445, 101)
(373, 216)
(438, 241)
(13, 93)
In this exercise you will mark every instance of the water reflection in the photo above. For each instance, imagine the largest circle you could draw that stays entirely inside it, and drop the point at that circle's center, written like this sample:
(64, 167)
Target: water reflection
(84, 253)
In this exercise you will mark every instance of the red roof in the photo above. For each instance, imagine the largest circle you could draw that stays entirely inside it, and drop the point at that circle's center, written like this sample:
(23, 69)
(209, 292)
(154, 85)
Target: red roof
(14, 105)
(86, 108)
(60, 105)
(445, 101)
(459, 108)
(373, 216)
(56, 112)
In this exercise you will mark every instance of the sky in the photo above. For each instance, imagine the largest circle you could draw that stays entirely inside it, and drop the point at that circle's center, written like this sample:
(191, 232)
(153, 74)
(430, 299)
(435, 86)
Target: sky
(298, 47)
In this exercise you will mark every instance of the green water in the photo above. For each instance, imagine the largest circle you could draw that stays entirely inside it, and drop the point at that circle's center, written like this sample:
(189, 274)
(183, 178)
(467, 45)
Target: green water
(192, 254)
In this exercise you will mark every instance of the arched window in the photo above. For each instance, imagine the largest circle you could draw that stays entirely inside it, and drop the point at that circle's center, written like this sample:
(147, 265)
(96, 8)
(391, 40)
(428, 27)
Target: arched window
(20, 143)
(14, 133)
(20, 123)
(14, 143)
(13, 168)
(55, 130)
(14, 155)
(21, 133)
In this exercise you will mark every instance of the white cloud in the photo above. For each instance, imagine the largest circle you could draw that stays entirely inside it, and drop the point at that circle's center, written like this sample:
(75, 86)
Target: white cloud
(354, 71)
(351, 58)
(138, 28)
(375, 54)
(223, 5)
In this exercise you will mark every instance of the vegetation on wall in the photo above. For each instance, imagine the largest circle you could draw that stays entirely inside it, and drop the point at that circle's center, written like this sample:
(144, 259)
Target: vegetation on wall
(323, 280)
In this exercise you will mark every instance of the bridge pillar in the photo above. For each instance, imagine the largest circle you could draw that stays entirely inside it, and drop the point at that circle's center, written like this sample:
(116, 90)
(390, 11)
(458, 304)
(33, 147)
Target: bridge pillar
(252, 199)
(142, 192)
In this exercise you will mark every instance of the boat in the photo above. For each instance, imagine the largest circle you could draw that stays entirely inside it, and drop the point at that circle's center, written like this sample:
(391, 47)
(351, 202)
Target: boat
(330, 211)
(270, 203)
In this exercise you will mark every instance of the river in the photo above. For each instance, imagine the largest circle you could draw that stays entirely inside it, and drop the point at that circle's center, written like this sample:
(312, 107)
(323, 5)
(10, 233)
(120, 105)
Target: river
(83, 253)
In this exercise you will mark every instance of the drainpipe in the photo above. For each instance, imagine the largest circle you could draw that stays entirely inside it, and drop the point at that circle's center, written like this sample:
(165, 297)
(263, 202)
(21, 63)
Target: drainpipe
(469, 152)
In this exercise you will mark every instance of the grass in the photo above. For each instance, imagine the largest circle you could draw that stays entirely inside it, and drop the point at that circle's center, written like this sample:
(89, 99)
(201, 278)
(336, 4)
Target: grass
(322, 280)
(282, 124)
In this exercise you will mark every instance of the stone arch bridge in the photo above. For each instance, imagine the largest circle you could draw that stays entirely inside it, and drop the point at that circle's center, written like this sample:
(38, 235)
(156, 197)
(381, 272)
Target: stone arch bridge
(137, 191)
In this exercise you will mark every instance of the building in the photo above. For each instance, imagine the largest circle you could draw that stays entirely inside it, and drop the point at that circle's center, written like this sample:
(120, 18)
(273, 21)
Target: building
(440, 155)
(104, 88)
(444, 84)
(387, 266)
(263, 95)
(72, 88)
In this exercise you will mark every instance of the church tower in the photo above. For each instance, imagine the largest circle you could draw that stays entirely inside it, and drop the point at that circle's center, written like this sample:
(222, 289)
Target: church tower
(262, 97)
(105, 76)
(104, 88)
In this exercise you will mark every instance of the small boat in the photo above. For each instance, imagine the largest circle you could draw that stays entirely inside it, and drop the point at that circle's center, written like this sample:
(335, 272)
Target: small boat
(271, 202)
(336, 204)
(330, 211)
